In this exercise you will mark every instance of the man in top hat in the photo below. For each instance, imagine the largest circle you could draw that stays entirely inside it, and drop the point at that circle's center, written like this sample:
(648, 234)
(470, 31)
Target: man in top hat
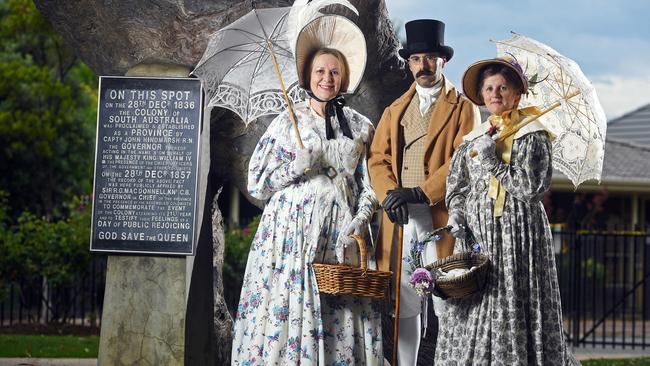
(408, 163)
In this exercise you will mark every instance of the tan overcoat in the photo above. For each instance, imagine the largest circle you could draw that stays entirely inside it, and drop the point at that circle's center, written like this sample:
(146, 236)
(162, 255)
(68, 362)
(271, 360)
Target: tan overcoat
(453, 117)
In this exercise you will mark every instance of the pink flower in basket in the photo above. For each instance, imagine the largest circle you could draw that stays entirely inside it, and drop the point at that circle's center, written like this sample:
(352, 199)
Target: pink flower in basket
(422, 281)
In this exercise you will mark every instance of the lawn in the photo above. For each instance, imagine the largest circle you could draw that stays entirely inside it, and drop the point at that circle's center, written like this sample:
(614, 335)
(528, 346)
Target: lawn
(48, 346)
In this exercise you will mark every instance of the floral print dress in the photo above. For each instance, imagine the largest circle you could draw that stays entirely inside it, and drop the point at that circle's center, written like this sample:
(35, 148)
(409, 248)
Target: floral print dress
(281, 318)
(517, 318)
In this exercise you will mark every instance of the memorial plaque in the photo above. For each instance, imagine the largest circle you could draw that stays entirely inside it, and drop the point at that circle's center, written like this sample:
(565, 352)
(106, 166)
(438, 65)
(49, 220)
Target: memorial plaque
(146, 165)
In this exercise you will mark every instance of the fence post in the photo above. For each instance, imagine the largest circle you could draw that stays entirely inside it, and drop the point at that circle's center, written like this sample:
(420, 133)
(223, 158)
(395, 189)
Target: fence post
(646, 287)
(45, 297)
(11, 304)
(575, 311)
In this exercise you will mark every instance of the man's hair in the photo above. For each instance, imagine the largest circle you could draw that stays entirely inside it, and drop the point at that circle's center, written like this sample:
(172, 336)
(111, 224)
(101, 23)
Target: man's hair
(345, 70)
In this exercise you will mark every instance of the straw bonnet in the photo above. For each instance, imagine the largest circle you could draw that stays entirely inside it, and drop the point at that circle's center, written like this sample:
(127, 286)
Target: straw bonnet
(473, 72)
(337, 32)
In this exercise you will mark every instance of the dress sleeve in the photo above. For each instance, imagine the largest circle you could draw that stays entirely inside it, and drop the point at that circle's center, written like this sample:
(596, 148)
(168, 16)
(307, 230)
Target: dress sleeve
(458, 182)
(529, 173)
(367, 203)
(270, 167)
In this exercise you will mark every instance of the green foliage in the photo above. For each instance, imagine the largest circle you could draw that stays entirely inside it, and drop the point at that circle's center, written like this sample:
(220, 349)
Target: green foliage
(47, 121)
(4, 234)
(593, 268)
(238, 243)
(48, 346)
(47, 114)
(57, 250)
(35, 248)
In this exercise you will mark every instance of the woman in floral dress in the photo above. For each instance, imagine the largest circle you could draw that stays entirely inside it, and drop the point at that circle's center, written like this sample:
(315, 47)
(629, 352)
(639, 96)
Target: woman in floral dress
(517, 318)
(317, 197)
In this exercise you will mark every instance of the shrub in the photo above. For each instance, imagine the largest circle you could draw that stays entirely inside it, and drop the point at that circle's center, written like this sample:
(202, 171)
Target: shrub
(238, 243)
(33, 249)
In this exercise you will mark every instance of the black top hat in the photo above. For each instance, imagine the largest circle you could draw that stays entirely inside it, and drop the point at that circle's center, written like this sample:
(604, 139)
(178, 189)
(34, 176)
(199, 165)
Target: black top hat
(426, 35)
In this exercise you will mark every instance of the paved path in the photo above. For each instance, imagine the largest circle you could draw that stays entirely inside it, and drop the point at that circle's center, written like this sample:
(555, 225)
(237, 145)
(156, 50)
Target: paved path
(591, 353)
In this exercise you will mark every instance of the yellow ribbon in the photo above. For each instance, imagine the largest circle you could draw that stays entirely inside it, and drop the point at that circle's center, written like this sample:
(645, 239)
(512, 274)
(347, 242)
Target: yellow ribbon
(504, 123)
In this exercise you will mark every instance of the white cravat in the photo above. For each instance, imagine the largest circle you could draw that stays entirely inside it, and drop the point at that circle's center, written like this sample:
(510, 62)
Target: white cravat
(427, 96)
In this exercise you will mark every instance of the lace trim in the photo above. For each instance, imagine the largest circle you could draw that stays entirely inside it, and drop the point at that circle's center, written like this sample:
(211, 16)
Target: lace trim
(261, 103)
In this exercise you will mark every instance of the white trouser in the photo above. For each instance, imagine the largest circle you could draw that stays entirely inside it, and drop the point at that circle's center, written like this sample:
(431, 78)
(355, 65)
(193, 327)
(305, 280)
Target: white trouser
(408, 342)
(411, 305)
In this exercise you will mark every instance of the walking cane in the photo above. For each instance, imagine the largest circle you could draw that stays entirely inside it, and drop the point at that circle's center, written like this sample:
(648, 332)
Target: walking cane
(398, 275)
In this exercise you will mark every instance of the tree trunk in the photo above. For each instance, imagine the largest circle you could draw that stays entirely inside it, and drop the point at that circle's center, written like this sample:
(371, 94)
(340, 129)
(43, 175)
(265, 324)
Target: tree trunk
(222, 321)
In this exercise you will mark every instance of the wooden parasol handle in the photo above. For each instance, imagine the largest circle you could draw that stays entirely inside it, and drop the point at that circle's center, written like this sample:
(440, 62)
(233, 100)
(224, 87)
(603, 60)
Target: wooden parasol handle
(292, 115)
(398, 284)
(526, 121)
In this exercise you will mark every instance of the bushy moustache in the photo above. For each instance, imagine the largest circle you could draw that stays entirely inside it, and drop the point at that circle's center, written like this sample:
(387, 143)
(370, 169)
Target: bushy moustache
(423, 73)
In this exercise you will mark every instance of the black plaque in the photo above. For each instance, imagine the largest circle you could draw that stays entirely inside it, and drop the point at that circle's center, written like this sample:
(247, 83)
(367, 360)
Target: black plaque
(146, 165)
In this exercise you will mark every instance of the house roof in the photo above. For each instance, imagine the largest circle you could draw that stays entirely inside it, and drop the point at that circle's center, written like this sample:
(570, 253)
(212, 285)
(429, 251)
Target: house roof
(633, 127)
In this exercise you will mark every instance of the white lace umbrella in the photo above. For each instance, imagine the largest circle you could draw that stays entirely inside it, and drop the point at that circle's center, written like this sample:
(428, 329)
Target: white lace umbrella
(237, 68)
(579, 123)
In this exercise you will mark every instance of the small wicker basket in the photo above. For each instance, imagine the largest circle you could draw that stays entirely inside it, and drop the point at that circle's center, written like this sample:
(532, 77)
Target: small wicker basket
(344, 279)
(464, 285)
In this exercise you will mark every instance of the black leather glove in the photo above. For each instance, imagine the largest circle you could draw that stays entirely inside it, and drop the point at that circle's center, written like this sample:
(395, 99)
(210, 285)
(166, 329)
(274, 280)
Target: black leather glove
(396, 200)
(399, 215)
(401, 196)
(391, 215)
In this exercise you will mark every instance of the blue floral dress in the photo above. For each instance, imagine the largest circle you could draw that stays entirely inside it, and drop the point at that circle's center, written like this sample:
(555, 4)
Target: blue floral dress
(281, 318)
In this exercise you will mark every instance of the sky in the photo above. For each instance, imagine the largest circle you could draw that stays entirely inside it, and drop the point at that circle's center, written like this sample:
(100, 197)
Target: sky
(609, 39)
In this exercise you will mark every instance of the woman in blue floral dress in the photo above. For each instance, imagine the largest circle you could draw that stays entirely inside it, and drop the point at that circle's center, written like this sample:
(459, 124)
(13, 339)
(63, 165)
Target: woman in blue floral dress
(317, 197)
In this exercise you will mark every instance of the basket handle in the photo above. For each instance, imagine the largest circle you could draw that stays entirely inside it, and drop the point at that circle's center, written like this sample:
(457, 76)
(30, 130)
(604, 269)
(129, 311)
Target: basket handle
(361, 242)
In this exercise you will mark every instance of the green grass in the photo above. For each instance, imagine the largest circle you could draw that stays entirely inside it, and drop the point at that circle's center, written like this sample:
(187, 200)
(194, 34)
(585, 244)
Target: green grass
(48, 346)
(644, 361)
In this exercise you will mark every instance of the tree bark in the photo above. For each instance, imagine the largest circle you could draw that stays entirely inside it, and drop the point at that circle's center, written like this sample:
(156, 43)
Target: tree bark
(222, 321)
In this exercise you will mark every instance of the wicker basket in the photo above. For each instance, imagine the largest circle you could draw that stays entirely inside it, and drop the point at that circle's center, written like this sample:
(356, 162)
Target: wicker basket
(344, 279)
(464, 285)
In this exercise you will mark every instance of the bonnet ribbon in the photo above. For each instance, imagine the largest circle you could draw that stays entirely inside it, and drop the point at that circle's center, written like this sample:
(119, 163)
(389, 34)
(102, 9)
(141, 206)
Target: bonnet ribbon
(334, 108)
(505, 123)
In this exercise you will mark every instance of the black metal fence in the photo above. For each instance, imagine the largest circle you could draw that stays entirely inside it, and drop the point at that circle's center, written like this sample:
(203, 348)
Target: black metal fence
(605, 287)
(604, 283)
(42, 302)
